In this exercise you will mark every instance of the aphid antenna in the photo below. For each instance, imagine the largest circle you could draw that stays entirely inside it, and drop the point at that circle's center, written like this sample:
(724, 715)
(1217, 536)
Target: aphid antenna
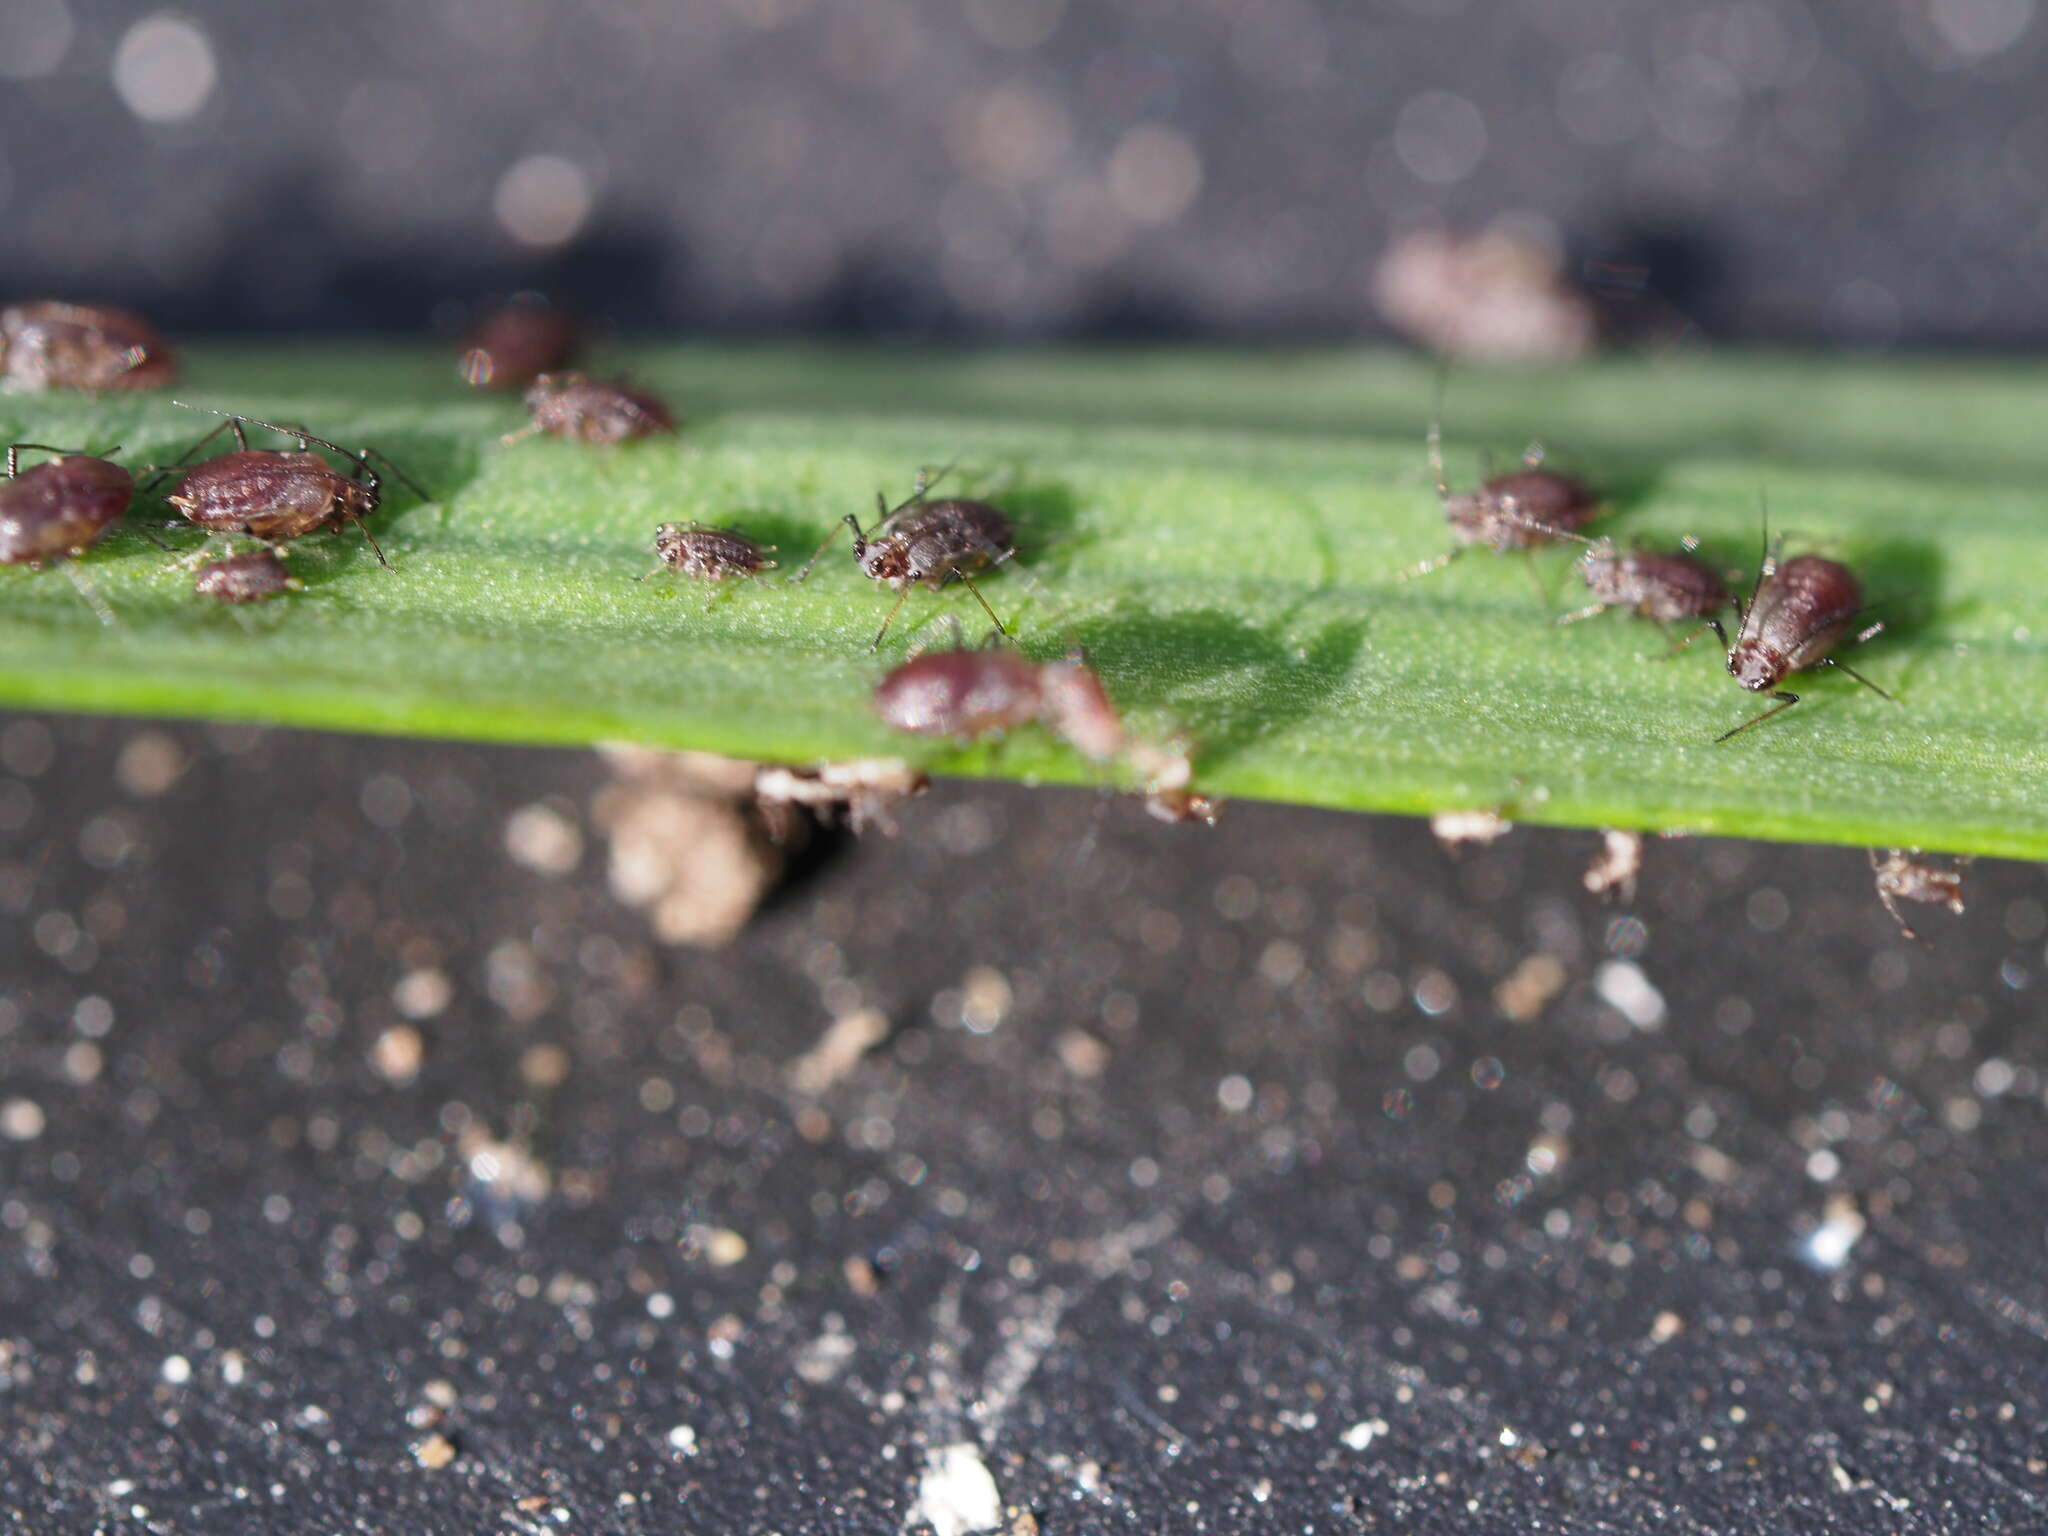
(1786, 701)
(1427, 566)
(859, 537)
(162, 470)
(1765, 565)
(1435, 438)
(14, 454)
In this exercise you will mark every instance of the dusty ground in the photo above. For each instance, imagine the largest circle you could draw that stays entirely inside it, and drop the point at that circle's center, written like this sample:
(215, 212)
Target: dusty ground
(365, 1164)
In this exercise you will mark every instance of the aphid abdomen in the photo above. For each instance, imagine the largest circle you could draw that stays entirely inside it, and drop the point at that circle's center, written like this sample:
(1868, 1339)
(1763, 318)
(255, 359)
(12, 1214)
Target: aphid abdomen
(960, 693)
(1802, 609)
(1673, 587)
(709, 554)
(266, 494)
(1531, 506)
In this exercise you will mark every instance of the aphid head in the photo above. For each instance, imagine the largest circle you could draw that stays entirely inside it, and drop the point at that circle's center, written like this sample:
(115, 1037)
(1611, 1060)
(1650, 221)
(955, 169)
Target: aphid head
(1471, 516)
(1602, 566)
(885, 559)
(1752, 664)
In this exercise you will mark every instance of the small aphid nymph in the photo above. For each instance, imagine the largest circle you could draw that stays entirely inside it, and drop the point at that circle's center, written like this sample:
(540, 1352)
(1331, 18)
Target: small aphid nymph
(254, 576)
(1797, 614)
(53, 345)
(586, 410)
(710, 554)
(514, 345)
(1902, 875)
(1521, 510)
(279, 494)
(926, 543)
(1668, 588)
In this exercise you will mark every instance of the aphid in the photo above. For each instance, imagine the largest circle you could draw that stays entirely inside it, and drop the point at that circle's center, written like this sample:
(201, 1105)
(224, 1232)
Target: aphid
(1901, 876)
(1797, 613)
(928, 543)
(514, 345)
(53, 345)
(277, 494)
(1076, 705)
(1523, 509)
(865, 791)
(1664, 587)
(60, 508)
(1182, 805)
(709, 554)
(961, 693)
(251, 577)
(587, 411)
(1615, 867)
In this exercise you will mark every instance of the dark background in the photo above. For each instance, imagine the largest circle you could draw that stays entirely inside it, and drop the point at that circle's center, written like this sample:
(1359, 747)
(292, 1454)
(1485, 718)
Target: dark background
(1811, 172)
(1253, 1211)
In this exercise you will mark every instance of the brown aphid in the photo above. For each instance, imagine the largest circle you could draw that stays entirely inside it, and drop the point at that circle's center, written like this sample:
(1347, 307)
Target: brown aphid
(252, 577)
(1523, 509)
(1902, 876)
(279, 494)
(1664, 587)
(49, 344)
(60, 507)
(959, 693)
(710, 554)
(926, 543)
(516, 344)
(585, 410)
(1797, 613)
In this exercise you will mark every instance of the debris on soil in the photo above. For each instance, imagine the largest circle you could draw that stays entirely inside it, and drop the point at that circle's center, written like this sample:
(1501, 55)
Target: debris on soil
(957, 1495)
(1529, 988)
(1615, 867)
(1500, 296)
(433, 1452)
(839, 1050)
(686, 845)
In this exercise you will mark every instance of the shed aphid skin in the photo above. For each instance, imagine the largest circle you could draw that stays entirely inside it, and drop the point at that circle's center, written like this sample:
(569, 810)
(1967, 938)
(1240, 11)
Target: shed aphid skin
(276, 494)
(1902, 875)
(56, 510)
(518, 342)
(1615, 867)
(49, 344)
(1459, 830)
(863, 792)
(1797, 613)
(1521, 510)
(587, 410)
(926, 543)
(254, 576)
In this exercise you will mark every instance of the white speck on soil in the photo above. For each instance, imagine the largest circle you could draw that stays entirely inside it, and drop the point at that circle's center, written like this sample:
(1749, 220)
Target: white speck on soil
(1624, 988)
(957, 1494)
(846, 1040)
(1829, 1245)
(1360, 1436)
(544, 839)
(1463, 829)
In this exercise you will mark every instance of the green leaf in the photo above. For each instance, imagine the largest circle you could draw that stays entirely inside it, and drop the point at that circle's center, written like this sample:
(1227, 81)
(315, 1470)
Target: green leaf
(1221, 531)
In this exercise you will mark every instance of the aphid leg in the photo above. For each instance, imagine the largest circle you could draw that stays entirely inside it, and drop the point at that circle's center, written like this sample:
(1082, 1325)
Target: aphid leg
(1884, 895)
(1685, 640)
(850, 519)
(89, 592)
(1871, 633)
(969, 580)
(375, 548)
(1427, 566)
(1788, 700)
(1582, 613)
(902, 594)
(1866, 682)
(172, 467)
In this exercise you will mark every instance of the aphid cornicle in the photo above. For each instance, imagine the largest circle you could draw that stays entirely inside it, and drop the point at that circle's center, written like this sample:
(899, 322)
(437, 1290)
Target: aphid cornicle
(1798, 612)
(1523, 509)
(710, 554)
(251, 577)
(514, 345)
(278, 494)
(585, 410)
(60, 507)
(49, 344)
(926, 543)
(1902, 876)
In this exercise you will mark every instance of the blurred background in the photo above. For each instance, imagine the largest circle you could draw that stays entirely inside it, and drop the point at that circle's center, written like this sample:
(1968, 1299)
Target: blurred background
(1862, 175)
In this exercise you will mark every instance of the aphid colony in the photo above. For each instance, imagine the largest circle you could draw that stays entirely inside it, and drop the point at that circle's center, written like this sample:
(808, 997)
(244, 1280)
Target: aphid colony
(1798, 613)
